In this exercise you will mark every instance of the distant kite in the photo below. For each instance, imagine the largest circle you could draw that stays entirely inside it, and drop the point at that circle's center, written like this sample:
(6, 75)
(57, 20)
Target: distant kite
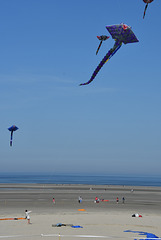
(12, 129)
(121, 33)
(147, 2)
(101, 38)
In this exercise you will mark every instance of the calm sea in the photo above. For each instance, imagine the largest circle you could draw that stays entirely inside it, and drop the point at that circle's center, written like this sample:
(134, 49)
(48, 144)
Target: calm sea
(79, 179)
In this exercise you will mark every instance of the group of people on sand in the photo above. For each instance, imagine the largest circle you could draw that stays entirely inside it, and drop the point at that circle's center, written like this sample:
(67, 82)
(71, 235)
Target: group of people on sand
(123, 200)
(97, 200)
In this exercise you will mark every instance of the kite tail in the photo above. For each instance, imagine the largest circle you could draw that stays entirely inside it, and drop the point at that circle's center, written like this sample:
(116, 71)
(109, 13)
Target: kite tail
(145, 10)
(11, 139)
(98, 47)
(114, 51)
(110, 53)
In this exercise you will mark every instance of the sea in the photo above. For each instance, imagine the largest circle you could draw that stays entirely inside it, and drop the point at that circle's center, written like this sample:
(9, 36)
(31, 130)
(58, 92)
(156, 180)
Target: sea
(51, 178)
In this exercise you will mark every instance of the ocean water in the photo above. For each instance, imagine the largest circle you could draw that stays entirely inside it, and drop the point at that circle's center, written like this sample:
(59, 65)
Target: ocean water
(44, 178)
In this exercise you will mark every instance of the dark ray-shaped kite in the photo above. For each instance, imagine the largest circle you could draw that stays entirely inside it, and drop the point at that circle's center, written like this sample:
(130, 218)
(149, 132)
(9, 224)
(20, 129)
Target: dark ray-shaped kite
(147, 2)
(101, 38)
(12, 129)
(121, 33)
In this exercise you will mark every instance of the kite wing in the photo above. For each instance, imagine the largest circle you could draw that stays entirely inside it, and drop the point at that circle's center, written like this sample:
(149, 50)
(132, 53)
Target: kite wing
(122, 33)
(12, 128)
(148, 1)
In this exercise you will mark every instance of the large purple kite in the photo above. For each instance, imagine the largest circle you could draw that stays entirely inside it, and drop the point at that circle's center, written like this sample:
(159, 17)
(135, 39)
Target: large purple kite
(121, 33)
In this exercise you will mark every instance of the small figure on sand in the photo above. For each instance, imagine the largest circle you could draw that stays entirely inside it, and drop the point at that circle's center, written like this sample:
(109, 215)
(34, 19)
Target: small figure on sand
(96, 200)
(136, 215)
(53, 200)
(80, 199)
(28, 216)
(123, 200)
(117, 200)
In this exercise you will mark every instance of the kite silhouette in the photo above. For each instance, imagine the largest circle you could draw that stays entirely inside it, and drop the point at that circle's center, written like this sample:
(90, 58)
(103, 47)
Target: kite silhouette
(121, 33)
(101, 38)
(147, 2)
(12, 129)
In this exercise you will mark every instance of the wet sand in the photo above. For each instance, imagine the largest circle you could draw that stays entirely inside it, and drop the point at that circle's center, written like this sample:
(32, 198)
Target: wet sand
(105, 219)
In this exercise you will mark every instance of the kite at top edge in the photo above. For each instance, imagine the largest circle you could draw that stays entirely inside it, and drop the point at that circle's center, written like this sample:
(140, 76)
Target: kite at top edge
(121, 33)
(147, 2)
(12, 129)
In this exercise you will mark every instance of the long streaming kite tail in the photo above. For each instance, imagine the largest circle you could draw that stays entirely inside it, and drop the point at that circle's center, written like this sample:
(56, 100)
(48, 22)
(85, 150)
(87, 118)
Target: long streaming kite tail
(11, 143)
(98, 47)
(145, 10)
(110, 53)
(114, 52)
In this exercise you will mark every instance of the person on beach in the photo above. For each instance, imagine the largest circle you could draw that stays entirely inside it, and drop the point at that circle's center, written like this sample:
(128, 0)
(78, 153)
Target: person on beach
(28, 216)
(54, 200)
(117, 200)
(123, 200)
(80, 199)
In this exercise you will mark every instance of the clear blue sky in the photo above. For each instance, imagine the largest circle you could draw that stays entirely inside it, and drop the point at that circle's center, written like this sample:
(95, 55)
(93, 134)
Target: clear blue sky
(113, 125)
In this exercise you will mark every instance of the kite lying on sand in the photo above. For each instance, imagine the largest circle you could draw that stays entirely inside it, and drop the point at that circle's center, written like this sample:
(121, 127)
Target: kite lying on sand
(121, 33)
(12, 129)
(147, 2)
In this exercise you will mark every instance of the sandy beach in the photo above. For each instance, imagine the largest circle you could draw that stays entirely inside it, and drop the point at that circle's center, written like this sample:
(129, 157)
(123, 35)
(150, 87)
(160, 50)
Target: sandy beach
(106, 219)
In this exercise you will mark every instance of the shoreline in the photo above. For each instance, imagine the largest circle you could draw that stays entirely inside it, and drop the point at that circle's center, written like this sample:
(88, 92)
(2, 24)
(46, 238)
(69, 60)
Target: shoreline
(78, 186)
(76, 179)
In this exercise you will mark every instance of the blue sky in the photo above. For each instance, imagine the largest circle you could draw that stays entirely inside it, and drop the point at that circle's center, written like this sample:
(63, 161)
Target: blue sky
(113, 125)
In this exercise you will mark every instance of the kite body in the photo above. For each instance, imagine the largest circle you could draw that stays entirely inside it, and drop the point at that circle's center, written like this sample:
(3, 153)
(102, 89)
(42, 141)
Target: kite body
(12, 129)
(147, 2)
(121, 33)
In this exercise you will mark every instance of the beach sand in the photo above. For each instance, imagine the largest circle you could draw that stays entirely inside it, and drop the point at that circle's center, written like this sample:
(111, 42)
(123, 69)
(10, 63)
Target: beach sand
(98, 220)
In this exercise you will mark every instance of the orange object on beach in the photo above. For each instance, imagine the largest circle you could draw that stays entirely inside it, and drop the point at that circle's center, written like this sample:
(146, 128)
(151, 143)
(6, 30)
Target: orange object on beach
(12, 218)
(81, 210)
(104, 200)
